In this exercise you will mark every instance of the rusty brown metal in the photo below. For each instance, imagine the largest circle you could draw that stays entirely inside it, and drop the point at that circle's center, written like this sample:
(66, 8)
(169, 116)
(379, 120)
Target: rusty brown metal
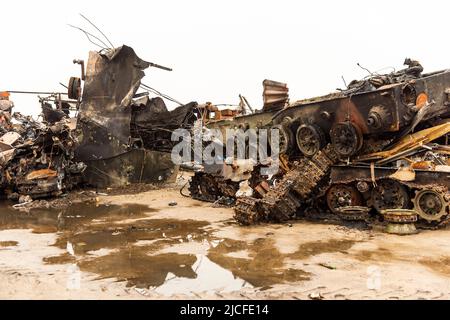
(409, 143)
(386, 136)
(275, 95)
(41, 174)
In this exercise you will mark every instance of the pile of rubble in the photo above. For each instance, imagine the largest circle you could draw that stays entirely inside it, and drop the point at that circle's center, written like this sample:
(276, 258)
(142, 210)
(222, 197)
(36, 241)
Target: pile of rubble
(117, 137)
(36, 158)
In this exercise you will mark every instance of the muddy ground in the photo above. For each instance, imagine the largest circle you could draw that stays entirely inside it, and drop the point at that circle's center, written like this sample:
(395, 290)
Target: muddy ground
(135, 245)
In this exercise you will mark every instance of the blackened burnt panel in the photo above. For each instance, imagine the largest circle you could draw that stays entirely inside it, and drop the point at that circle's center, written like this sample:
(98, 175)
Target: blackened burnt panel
(112, 80)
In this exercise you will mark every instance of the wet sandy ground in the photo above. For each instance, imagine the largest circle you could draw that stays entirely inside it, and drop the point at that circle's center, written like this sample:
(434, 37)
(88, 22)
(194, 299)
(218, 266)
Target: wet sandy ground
(137, 246)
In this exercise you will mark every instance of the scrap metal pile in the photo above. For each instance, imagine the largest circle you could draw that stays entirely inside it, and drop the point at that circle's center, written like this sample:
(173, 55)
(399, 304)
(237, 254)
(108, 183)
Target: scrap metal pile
(374, 149)
(125, 137)
(37, 158)
(116, 136)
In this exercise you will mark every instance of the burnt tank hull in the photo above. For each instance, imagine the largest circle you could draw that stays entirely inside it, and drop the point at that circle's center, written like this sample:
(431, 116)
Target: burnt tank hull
(379, 145)
(383, 112)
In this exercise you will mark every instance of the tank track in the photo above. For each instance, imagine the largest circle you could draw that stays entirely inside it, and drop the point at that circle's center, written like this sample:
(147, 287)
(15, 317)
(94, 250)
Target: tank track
(210, 188)
(280, 203)
(195, 188)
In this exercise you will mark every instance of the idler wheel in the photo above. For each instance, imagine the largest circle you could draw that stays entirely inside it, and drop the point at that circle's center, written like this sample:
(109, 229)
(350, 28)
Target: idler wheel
(431, 205)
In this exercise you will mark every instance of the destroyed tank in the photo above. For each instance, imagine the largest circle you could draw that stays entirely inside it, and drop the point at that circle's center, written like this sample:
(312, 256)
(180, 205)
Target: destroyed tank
(380, 144)
(220, 182)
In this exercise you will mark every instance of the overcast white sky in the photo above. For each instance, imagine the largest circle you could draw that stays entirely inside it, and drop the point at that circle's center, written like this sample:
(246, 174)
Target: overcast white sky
(219, 49)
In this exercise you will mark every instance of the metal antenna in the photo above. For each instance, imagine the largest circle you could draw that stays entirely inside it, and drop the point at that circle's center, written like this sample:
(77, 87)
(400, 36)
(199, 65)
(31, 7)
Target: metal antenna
(365, 69)
(97, 30)
(345, 82)
(88, 35)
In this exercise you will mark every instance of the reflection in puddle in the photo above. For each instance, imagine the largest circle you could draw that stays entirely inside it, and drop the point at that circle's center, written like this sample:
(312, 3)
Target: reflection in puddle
(61, 259)
(138, 268)
(121, 236)
(126, 244)
(264, 267)
(53, 220)
(210, 278)
(309, 249)
(129, 251)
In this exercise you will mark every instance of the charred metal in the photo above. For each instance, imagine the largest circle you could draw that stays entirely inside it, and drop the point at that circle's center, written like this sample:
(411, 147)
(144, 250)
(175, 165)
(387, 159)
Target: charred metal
(379, 145)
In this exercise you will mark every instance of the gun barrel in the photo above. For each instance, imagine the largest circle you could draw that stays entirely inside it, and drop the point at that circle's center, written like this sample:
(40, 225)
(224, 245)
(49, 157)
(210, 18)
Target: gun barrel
(159, 66)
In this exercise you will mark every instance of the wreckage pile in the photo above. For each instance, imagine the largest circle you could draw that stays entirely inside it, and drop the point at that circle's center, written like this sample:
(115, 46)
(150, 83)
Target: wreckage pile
(37, 158)
(377, 146)
(125, 136)
(117, 137)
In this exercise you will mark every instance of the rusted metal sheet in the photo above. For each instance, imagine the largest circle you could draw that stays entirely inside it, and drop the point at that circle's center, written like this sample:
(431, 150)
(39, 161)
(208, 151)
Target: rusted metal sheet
(41, 174)
(346, 174)
(275, 95)
(410, 143)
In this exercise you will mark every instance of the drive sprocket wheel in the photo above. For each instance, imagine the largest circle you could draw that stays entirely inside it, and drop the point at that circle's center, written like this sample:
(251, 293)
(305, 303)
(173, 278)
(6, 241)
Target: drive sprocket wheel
(310, 139)
(342, 195)
(346, 138)
(389, 194)
(431, 204)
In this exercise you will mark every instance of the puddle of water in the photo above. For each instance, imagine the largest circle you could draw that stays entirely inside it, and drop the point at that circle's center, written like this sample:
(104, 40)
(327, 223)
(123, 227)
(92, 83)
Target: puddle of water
(264, 267)
(210, 278)
(53, 220)
(380, 254)
(129, 252)
(441, 266)
(61, 259)
(310, 249)
(119, 236)
(4, 244)
(124, 243)
(138, 268)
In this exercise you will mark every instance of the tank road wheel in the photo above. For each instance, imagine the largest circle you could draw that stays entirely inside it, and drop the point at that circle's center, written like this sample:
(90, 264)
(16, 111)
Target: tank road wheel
(285, 139)
(310, 139)
(346, 139)
(431, 205)
(343, 195)
(390, 194)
